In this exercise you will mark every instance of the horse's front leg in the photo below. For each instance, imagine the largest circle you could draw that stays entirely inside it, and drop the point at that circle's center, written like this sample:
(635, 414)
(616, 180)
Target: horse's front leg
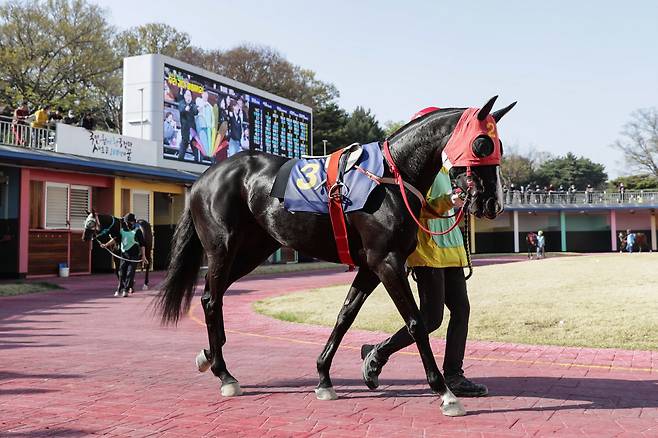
(364, 283)
(392, 274)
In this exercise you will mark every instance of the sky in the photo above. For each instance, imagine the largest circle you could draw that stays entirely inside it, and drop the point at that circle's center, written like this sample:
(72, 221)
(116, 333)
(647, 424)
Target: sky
(578, 69)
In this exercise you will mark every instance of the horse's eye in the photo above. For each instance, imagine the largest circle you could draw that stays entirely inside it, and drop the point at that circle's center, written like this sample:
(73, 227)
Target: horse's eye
(483, 146)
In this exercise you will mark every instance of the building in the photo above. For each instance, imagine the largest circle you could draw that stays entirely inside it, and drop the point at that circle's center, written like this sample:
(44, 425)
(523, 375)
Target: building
(50, 177)
(578, 222)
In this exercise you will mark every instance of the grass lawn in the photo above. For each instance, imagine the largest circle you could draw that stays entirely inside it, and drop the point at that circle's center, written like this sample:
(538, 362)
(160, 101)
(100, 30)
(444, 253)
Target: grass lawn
(20, 288)
(607, 300)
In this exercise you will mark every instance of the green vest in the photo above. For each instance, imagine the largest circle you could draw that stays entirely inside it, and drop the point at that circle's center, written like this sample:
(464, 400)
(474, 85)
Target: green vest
(128, 239)
(442, 186)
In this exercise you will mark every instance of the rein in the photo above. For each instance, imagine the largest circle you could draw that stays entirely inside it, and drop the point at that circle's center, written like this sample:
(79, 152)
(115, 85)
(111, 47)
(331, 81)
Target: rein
(397, 177)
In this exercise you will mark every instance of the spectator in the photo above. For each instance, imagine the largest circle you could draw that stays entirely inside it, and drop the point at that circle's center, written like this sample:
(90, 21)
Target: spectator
(541, 243)
(56, 116)
(630, 241)
(589, 191)
(537, 194)
(88, 121)
(70, 119)
(572, 194)
(561, 194)
(19, 122)
(506, 192)
(40, 117)
(622, 241)
(622, 192)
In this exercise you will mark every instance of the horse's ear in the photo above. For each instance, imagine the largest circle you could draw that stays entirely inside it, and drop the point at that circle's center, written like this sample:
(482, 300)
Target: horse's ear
(497, 115)
(486, 109)
(88, 212)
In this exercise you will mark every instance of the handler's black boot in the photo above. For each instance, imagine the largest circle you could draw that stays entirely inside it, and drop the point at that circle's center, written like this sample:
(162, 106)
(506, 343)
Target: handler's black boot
(462, 387)
(372, 365)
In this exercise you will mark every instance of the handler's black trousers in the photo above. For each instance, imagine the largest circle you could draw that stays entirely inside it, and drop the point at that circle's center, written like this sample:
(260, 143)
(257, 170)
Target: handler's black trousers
(436, 287)
(127, 269)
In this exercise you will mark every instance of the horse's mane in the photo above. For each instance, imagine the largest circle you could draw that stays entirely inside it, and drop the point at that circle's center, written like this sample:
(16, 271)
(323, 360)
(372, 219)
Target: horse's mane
(414, 124)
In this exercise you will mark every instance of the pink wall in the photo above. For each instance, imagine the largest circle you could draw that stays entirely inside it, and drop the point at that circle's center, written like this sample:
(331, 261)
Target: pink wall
(23, 221)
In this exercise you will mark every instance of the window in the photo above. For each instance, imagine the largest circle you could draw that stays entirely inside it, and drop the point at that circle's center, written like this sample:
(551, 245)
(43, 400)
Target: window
(66, 205)
(141, 205)
(57, 200)
(79, 206)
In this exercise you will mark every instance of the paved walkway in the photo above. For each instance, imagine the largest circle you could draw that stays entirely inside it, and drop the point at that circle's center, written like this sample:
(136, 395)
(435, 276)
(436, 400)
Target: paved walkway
(80, 362)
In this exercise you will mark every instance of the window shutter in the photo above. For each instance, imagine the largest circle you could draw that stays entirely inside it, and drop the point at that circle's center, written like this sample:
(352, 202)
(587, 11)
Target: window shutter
(141, 206)
(56, 206)
(79, 207)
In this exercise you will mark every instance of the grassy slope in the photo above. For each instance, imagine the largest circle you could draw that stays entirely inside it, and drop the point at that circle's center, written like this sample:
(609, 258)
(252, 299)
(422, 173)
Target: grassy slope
(608, 300)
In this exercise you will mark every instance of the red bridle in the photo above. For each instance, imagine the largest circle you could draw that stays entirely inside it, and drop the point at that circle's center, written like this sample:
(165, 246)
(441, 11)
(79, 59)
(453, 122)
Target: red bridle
(401, 184)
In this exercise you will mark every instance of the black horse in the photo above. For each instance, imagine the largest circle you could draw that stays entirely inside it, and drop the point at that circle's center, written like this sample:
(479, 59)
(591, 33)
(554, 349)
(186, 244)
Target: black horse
(234, 221)
(104, 226)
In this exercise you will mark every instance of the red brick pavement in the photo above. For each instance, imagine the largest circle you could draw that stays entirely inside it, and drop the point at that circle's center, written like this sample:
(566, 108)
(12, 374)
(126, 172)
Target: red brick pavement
(79, 362)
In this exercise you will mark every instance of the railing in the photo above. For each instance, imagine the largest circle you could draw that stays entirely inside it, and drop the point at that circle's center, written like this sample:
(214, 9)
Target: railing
(21, 134)
(546, 199)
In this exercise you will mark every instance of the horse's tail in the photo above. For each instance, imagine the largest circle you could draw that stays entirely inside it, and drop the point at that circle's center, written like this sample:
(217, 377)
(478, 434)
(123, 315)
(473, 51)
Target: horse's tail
(177, 289)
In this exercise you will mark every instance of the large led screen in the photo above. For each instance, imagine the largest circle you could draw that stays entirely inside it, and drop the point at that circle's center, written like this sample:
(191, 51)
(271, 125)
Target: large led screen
(206, 121)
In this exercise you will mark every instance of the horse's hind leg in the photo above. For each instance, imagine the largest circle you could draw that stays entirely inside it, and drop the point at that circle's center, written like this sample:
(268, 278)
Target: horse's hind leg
(226, 266)
(364, 283)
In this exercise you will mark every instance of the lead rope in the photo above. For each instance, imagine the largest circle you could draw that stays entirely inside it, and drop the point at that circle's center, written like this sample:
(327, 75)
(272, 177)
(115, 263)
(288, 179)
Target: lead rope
(114, 255)
(467, 243)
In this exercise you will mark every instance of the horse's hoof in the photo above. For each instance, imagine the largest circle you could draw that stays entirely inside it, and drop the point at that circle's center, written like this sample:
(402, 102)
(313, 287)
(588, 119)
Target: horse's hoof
(451, 406)
(202, 362)
(145, 287)
(325, 394)
(231, 389)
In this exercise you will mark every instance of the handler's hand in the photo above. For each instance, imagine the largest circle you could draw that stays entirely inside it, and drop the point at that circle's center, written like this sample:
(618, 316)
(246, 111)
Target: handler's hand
(144, 261)
(457, 201)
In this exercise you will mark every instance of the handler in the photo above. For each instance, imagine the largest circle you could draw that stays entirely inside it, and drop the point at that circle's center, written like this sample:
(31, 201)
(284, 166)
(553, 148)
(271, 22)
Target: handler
(437, 265)
(132, 248)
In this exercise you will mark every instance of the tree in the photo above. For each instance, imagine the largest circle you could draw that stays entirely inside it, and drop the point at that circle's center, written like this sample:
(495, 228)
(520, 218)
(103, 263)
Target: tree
(329, 124)
(362, 127)
(391, 126)
(517, 169)
(570, 169)
(642, 181)
(639, 141)
(152, 38)
(55, 52)
(265, 68)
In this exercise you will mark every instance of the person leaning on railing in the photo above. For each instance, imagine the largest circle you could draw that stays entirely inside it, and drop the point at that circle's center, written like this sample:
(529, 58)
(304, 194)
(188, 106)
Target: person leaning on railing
(40, 117)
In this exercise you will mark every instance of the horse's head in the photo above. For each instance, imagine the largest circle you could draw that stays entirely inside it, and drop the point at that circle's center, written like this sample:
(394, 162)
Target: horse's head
(466, 142)
(91, 226)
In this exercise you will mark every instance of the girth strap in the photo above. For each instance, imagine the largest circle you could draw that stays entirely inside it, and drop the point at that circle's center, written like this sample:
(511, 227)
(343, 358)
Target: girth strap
(336, 213)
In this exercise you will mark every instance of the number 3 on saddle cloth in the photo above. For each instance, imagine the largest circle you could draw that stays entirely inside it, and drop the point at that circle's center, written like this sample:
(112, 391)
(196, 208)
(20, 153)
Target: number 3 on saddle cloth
(304, 187)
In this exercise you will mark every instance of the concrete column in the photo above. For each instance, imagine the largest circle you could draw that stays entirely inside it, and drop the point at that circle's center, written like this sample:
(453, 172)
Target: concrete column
(472, 236)
(516, 231)
(654, 244)
(563, 231)
(613, 229)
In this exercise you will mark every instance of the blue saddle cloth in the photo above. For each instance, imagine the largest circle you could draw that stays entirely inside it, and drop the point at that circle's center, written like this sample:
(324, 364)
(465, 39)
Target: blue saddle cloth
(306, 189)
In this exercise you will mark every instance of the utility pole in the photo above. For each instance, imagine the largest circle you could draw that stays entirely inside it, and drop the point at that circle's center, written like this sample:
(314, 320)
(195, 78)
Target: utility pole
(324, 144)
